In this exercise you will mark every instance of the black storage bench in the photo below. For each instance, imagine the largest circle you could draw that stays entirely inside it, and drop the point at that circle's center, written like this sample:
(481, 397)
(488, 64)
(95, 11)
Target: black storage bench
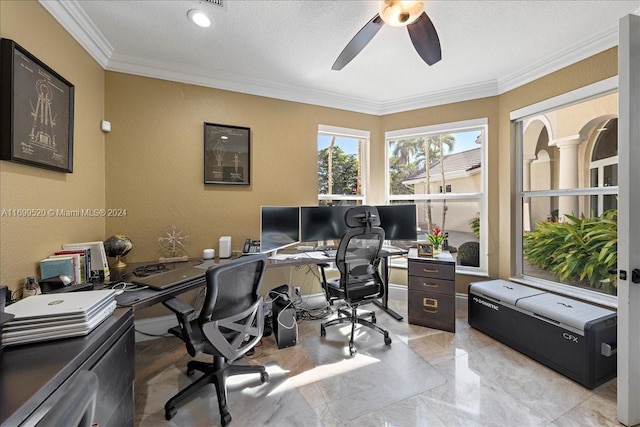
(572, 337)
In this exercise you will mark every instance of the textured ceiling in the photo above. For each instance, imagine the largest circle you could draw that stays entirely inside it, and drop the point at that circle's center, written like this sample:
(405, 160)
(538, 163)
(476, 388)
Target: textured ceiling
(285, 49)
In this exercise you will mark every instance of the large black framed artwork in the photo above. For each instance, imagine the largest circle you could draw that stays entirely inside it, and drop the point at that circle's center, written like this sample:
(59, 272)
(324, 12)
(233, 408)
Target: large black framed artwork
(36, 111)
(226, 154)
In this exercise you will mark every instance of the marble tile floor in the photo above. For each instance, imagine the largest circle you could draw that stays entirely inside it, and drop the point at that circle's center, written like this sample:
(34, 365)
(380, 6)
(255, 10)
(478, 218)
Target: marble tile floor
(426, 377)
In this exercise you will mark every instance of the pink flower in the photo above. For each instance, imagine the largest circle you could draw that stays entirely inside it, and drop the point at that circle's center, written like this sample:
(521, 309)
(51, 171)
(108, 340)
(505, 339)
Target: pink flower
(436, 237)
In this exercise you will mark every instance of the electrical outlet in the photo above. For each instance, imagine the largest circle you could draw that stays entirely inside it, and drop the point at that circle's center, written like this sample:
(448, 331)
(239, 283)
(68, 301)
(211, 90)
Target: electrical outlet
(296, 290)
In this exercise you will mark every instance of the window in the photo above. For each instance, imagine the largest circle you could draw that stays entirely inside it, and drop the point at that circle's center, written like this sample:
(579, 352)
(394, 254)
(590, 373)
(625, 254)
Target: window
(568, 192)
(421, 162)
(342, 157)
(604, 167)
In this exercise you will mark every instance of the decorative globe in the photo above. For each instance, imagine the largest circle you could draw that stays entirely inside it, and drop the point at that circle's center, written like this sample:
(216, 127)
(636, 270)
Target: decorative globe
(118, 246)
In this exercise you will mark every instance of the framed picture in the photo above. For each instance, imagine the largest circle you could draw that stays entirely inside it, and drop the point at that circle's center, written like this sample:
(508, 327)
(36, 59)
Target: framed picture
(36, 111)
(226, 154)
(425, 249)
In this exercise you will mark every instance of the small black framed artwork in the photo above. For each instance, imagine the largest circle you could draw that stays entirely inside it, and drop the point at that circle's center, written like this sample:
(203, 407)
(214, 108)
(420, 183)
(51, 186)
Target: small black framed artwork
(36, 111)
(227, 153)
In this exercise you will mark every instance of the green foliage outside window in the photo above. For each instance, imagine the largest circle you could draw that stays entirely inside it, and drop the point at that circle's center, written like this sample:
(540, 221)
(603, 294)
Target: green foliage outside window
(344, 172)
(475, 225)
(579, 251)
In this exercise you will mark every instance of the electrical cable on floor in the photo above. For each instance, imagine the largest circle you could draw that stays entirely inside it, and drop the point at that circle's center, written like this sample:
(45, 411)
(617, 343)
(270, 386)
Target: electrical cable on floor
(303, 312)
(314, 314)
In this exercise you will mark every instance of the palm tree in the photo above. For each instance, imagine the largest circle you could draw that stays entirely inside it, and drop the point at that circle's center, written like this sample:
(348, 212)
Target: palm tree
(436, 144)
(407, 149)
(330, 166)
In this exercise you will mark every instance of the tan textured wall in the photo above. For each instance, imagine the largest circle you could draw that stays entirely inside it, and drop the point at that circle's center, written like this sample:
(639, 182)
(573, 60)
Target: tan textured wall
(154, 158)
(24, 241)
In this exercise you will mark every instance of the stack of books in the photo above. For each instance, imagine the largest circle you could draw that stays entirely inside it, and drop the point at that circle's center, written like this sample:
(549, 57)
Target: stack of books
(54, 316)
(81, 262)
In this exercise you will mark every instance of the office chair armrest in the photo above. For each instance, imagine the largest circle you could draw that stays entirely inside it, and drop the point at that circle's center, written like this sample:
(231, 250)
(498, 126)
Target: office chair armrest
(179, 307)
(185, 313)
(322, 266)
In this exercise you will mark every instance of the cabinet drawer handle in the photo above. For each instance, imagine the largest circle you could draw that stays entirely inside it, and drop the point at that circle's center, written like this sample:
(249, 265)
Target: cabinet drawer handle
(430, 303)
(428, 270)
(430, 311)
(429, 285)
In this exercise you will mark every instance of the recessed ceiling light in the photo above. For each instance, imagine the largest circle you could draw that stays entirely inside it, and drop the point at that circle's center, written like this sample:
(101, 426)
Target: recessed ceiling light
(199, 18)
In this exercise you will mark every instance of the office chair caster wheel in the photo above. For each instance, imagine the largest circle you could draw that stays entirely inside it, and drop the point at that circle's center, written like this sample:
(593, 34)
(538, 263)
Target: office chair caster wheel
(170, 413)
(373, 318)
(323, 331)
(352, 349)
(225, 419)
(387, 339)
(264, 377)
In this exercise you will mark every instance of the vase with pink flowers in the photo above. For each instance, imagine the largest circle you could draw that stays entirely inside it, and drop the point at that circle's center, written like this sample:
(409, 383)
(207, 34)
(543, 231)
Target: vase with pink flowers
(436, 237)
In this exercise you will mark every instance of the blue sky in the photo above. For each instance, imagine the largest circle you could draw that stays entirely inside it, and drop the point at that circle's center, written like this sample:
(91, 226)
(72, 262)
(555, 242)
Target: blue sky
(464, 141)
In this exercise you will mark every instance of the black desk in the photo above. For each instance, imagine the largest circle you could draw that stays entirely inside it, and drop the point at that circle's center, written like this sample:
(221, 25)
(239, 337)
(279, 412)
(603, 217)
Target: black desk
(138, 300)
(300, 259)
(33, 377)
(143, 298)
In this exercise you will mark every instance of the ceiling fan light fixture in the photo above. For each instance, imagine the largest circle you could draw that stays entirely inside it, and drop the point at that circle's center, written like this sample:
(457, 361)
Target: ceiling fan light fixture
(199, 18)
(400, 13)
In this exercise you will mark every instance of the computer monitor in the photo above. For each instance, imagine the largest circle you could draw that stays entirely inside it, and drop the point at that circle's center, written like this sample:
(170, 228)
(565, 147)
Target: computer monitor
(322, 223)
(279, 227)
(399, 222)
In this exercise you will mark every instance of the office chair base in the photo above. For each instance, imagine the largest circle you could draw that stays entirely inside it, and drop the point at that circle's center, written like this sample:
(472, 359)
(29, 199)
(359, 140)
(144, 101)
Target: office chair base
(215, 373)
(353, 318)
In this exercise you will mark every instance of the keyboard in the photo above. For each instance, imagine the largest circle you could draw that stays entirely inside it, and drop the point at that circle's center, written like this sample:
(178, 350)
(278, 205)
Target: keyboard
(393, 250)
(331, 252)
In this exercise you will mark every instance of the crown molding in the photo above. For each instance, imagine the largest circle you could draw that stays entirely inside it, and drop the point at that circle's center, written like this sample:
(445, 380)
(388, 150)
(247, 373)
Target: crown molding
(73, 19)
(441, 97)
(560, 59)
(71, 16)
(179, 72)
(167, 70)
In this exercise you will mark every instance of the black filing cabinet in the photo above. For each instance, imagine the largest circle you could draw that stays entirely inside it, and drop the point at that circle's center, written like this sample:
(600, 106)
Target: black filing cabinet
(432, 290)
(34, 377)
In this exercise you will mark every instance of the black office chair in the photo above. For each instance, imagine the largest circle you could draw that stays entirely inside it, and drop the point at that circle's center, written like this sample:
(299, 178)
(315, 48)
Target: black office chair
(360, 282)
(230, 323)
(76, 408)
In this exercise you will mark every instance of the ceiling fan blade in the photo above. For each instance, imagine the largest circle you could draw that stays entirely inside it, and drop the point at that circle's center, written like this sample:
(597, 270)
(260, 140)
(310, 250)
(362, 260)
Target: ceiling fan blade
(358, 42)
(425, 39)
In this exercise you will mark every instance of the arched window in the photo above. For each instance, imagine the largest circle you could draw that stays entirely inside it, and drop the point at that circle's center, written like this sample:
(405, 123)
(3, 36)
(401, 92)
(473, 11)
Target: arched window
(603, 170)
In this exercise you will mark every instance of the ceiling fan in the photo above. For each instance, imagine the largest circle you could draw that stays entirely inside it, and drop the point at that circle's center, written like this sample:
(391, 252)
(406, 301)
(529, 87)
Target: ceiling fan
(397, 13)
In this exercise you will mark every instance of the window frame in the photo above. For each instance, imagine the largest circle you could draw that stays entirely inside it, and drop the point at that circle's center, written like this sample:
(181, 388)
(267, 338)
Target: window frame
(364, 138)
(517, 119)
(480, 197)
